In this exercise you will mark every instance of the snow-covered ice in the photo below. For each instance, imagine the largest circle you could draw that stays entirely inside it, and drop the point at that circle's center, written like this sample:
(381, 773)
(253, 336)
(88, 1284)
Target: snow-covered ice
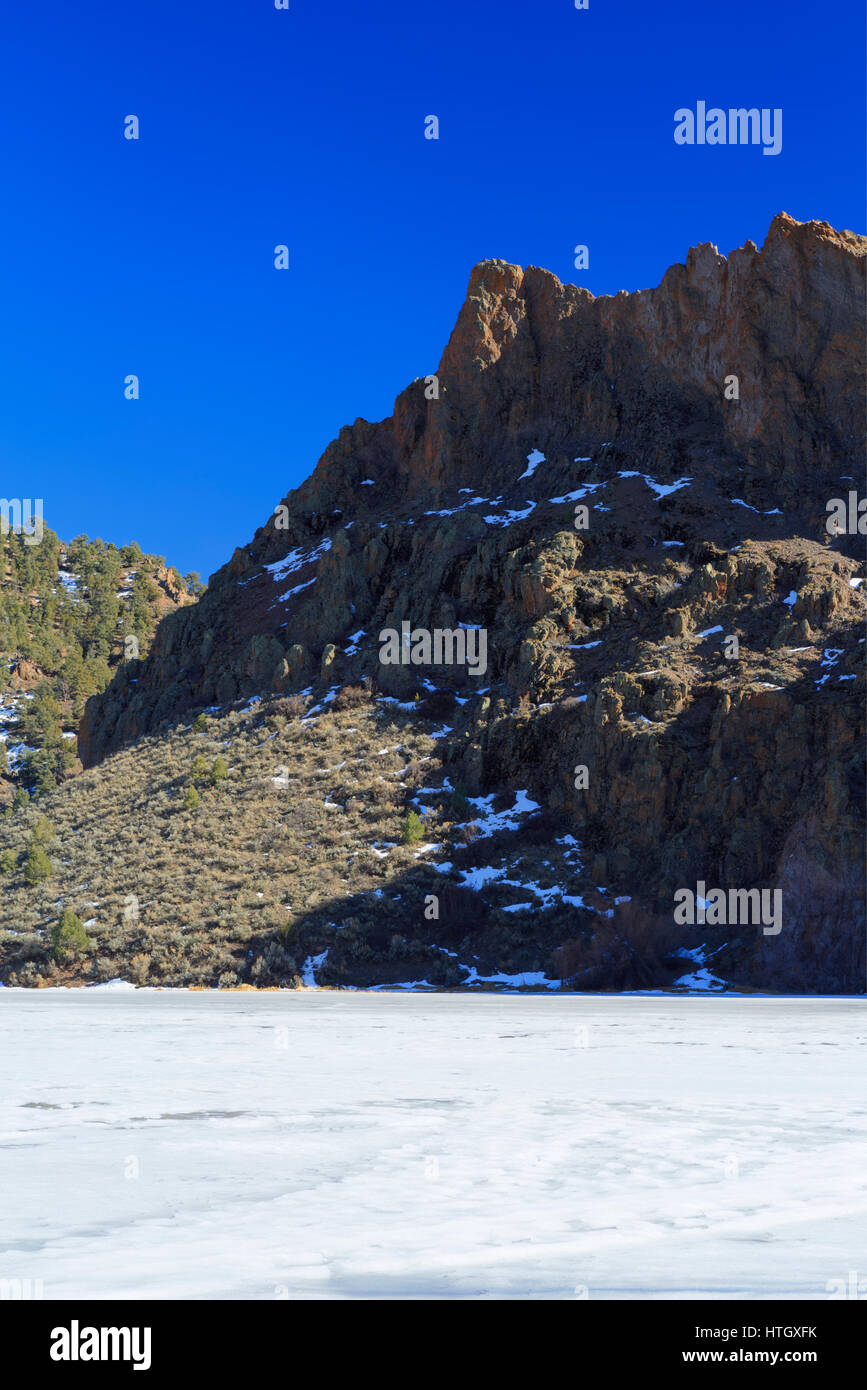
(323, 1145)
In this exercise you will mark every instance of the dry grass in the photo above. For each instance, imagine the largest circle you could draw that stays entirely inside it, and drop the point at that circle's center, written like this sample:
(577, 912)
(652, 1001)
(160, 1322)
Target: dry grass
(297, 850)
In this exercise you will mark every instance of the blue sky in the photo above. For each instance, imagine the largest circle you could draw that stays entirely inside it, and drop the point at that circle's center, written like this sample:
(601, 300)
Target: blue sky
(306, 127)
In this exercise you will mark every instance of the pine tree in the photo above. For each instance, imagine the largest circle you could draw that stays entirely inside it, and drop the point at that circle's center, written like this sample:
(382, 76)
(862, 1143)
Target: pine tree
(68, 935)
(191, 799)
(219, 771)
(412, 829)
(37, 865)
(43, 831)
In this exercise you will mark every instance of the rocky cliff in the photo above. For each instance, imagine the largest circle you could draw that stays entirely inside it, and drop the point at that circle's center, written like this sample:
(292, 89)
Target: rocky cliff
(704, 426)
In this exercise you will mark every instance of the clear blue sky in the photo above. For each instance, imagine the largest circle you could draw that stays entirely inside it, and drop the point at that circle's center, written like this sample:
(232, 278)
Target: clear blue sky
(306, 127)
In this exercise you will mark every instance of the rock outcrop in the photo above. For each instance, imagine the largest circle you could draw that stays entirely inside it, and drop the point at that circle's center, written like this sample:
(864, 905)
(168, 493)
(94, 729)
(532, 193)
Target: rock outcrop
(704, 425)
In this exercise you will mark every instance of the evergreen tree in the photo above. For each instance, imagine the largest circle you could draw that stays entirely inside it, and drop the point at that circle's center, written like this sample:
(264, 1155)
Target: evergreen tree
(37, 866)
(68, 935)
(219, 771)
(43, 831)
(412, 829)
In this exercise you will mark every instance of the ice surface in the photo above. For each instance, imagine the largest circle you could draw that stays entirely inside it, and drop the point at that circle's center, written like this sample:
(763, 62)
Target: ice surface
(244, 1145)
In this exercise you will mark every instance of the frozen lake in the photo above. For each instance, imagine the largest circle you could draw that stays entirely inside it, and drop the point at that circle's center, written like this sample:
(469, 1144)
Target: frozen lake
(221, 1145)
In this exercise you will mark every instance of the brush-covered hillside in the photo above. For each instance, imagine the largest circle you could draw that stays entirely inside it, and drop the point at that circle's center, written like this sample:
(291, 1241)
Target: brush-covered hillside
(291, 842)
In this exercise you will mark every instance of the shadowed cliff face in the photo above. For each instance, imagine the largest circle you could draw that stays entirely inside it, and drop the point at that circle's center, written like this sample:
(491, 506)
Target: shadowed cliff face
(707, 518)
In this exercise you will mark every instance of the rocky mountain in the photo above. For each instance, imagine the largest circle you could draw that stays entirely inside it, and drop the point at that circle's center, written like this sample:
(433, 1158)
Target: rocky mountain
(605, 388)
(627, 497)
